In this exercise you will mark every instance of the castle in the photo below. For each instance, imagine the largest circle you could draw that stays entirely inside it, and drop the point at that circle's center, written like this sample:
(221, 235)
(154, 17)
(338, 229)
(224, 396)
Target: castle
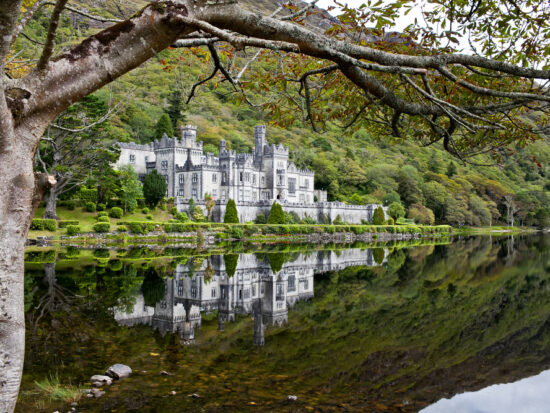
(254, 180)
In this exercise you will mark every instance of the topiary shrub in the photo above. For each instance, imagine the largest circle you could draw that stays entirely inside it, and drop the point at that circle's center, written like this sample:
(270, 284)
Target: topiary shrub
(72, 230)
(66, 223)
(154, 188)
(231, 216)
(149, 217)
(230, 261)
(90, 207)
(181, 217)
(116, 212)
(145, 210)
(102, 214)
(173, 210)
(276, 214)
(378, 218)
(121, 228)
(44, 225)
(103, 219)
(101, 207)
(390, 221)
(101, 227)
(338, 220)
(260, 219)
(70, 204)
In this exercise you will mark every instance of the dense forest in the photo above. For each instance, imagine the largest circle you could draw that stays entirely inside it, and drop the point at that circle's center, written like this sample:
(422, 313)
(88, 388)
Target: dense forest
(355, 164)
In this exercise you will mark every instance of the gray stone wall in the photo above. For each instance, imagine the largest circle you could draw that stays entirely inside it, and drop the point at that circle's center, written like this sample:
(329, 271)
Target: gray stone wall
(248, 211)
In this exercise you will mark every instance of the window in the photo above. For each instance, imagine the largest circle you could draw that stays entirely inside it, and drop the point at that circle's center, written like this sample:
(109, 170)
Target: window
(213, 292)
(182, 179)
(195, 178)
(180, 288)
(194, 193)
(291, 283)
(132, 158)
(223, 292)
(146, 158)
(306, 183)
(254, 179)
(181, 192)
(214, 193)
(254, 290)
(214, 177)
(280, 164)
(224, 177)
(247, 177)
(193, 292)
(263, 180)
(165, 178)
(302, 198)
(280, 179)
(291, 185)
(223, 193)
(241, 195)
(254, 196)
(306, 284)
(241, 174)
(164, 164)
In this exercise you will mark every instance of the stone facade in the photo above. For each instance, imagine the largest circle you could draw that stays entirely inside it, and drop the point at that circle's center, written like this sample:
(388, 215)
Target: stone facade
(253, 180)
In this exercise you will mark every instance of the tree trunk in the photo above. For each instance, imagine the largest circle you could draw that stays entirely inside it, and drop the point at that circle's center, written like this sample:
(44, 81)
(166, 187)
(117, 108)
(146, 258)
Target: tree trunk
(16, 207)
(51, 205)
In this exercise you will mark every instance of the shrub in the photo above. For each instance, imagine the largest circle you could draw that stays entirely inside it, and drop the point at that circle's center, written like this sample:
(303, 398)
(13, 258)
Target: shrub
(338, 220)
(71, 204)
(276, 214)
(101, 207)
(121, 228)
(260, 219)
(65, 224)
(149, 217)
(173, 210)
(390, 221)
(90, 207)
(396, 210)
(103, 219)
(154, 188)
(231, 215)
(162, 207)
(102, 227)
(102, 214)
(181, 217)
(378, 218)
(116, 212)
(44, 225)
(236, 232)
(72, 230)
(88, 195)
(145, 210)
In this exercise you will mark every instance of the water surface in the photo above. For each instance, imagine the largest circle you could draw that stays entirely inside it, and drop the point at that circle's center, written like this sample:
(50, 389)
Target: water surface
(386, 329)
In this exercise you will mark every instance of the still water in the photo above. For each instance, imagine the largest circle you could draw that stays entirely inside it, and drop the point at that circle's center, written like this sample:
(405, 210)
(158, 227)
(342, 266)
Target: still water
(461, 326)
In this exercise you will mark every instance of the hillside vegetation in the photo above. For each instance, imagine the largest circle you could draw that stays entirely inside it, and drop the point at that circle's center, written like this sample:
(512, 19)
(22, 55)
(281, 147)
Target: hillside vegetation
(360, 166)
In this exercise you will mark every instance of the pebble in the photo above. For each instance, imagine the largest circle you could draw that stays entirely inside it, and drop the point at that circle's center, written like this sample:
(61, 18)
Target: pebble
(195, 396)
(173, 393)
(98, 378)
(292, 398)
(165, 373)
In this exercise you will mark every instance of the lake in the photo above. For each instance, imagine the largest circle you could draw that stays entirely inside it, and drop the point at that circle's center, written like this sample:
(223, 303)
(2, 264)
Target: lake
(444, 325)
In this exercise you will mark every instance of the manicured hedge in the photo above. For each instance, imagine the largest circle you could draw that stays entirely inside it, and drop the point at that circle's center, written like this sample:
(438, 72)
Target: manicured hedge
(44, 224)
(138, 227)
(73, 230)
(65, 224)
(116, 212)
(102, 227)
(103, 219)
(90, 207)
(102, 214)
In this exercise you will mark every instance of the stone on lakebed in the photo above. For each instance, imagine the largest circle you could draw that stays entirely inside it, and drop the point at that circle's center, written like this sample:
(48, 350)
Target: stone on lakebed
(118, 371)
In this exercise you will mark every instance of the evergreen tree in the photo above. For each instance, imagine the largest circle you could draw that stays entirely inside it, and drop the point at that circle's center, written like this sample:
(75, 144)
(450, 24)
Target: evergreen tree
(153, 288)
(378, 218)
(451, 169)
(191, 209)
(175, 108)
(231, 215)
(164, 125)
(154, 188)
(276, 215)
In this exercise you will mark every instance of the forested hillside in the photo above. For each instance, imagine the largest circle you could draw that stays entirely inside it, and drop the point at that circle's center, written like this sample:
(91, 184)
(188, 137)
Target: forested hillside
(355, 165)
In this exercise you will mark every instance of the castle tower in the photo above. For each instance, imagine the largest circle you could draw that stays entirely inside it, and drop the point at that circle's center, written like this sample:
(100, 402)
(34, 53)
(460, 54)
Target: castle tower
(259, 143)
(189, 136)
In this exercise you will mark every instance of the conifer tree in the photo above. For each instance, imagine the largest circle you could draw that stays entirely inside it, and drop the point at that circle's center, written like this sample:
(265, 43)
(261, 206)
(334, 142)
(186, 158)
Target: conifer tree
(175, 108)
(164, 125)
(276, 215)
(154, 188)
(378, 218)
(451, 169)
(231, 216)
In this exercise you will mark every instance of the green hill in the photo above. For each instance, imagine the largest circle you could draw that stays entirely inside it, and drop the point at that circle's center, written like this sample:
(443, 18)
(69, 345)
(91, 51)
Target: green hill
(358, 167)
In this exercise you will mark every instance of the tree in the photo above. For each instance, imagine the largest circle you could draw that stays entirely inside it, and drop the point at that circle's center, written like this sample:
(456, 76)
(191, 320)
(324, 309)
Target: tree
(153, 288)
(396, 210)
(154, 188)
(479, 115)
(130, 188)
(511, 208)
(71, 149)
(543, 218)
(378, 218)
(451, 169)
(231, 216)
(164, 126)
(276, 214)
(209, 203)
(421, 214)
(175, 109)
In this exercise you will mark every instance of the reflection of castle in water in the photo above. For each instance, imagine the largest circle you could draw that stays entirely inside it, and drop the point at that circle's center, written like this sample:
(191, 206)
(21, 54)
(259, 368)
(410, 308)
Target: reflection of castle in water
(253, 289)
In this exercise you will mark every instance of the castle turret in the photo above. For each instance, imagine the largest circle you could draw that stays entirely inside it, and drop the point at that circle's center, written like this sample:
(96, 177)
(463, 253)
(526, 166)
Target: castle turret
(260, 142)
(188, 135)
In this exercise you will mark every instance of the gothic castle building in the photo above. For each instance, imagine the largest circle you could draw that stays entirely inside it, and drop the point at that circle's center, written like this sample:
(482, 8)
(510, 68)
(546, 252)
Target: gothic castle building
(265, 174)
(254, 180)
